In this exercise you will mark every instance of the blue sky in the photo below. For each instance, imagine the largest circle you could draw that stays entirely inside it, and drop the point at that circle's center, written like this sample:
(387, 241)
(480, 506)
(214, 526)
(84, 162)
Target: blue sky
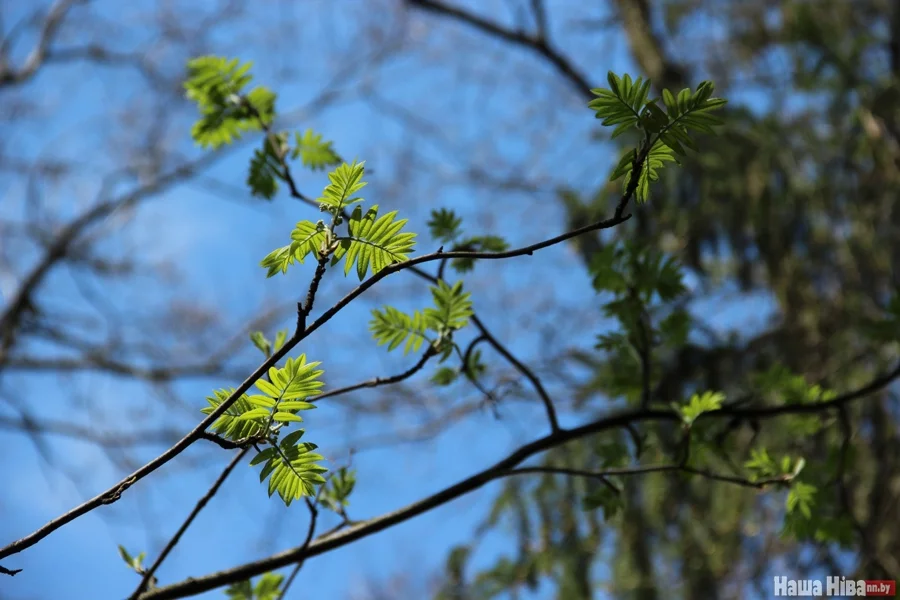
(225, 237)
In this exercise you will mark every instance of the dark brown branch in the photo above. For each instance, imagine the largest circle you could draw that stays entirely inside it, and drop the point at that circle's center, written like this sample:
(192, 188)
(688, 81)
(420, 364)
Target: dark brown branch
(378, 381)
(536, 44)
(642, 470)
(528, 373)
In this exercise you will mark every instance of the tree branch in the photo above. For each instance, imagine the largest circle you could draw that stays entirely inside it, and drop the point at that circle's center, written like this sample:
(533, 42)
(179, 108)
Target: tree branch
(12, 76)
(536, 44)
(114, 493)
(503, 468)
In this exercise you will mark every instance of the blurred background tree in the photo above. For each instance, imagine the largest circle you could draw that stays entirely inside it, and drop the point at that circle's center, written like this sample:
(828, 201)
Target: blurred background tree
(116, 308)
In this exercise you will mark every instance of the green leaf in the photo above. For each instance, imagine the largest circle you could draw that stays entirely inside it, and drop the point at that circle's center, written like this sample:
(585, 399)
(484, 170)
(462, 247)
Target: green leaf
(264, 455)
(658, 155)
(761, 465)
(453, 307)
(314, 153)
(620, 104)
(699, 404)
(393, 327)
(474, 367)
(262, 401)
(286, 417)
(653, 119)
(307, 238)
(293, 472)
(374, 243)
(230, 424)
(268, 587)
(345, 180)
(216, 85)
(256, 413)
(295, 405)
(689, 111)
(801, 497)
(242, 590)
(266, 168)
(444, 376)
(296, 380)
(340, 486)
(444, 225)
(259, 340)
(280, 338)
(292, 438)
(129, 560)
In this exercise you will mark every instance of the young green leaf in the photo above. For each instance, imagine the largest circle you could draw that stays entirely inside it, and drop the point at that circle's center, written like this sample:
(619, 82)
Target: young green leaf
(292, 470)
(658, 155)
(621, 104)
(307, 238)
(699, 404)
(230, 424)
(444, 225)
(374, 243)
(345, 180)
(393, 327)
(453, 307)
(216, 84)
(266, 168)
(315, 154)
(259, 340)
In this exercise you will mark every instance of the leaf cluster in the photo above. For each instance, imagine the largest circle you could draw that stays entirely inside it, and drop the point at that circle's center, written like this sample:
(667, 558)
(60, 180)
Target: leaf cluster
(315, 153)
(335, 495)
(451, 312)
(627, 106)
(217, 85)
(370, 244)
(285, 393)
(291, 467)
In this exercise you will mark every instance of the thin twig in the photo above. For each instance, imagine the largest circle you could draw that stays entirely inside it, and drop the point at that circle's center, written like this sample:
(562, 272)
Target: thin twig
(524, 370)
(201, 504)
(378, 381)
(310, 532)
(536, 44)
(642, 470)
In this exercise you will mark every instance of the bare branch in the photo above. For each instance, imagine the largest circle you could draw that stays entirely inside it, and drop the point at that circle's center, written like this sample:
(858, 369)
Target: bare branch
(537, 44)
(54, 18)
